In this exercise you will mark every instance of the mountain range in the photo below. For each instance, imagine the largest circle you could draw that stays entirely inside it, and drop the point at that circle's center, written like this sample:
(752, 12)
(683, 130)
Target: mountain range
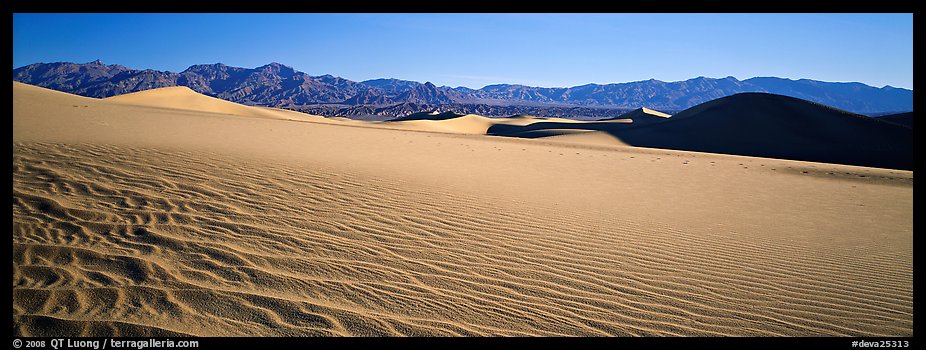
(278, 85)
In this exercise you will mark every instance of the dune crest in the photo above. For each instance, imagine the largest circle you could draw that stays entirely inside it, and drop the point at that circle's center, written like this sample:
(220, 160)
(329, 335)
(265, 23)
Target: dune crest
(776, 126)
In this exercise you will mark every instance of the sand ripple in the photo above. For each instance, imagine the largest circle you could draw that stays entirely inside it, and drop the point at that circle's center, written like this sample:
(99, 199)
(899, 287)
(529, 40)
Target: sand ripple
(134, 241)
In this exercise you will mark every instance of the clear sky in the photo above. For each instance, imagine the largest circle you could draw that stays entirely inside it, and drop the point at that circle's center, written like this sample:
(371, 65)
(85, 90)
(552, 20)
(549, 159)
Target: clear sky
(474, 50)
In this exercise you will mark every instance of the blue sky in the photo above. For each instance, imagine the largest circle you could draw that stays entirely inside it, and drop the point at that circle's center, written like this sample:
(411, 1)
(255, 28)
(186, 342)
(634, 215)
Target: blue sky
(474, 50)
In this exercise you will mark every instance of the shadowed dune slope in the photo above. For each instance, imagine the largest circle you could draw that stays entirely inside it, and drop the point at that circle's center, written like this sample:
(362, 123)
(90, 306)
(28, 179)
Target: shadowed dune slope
(560, 127)
(427, 116)
(34, 94)
(449, 122)
(182, 97)
(445, 122)
(599, 138)
(775, 126)
(905, 119)
(523, 119)
(132, 220)
(540, 126)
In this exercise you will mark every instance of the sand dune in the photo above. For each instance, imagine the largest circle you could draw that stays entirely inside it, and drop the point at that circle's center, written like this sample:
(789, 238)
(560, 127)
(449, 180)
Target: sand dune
(445, 122)
(533, 119)
(521, 125)
(428, 116)
(449, 122)
(598, 138)
(140, 220)
(754, 124)
(537, 128)
(905, 119)
(775, 126)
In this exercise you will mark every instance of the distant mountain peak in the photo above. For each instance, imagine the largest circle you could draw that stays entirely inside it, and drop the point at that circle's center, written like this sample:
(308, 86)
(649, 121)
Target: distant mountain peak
(97, 62)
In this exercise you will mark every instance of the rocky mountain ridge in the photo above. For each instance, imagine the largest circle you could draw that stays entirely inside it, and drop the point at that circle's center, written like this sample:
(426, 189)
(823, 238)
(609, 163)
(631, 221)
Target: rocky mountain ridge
(278, 85)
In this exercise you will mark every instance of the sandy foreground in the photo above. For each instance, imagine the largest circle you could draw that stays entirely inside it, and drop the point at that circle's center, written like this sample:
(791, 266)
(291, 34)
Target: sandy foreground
(167, 213)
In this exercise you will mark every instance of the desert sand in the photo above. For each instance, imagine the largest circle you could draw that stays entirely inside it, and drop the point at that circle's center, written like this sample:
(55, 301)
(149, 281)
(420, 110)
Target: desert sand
(166, 213)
